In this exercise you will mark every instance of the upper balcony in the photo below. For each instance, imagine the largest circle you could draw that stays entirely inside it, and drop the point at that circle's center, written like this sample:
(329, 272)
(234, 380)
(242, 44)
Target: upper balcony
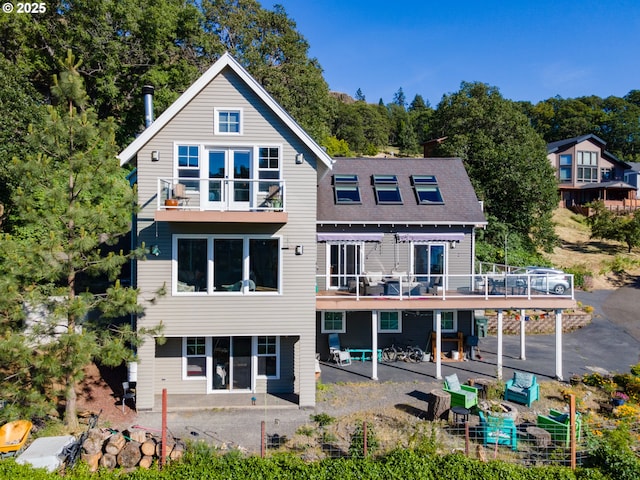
(221, 200)
(495, 290)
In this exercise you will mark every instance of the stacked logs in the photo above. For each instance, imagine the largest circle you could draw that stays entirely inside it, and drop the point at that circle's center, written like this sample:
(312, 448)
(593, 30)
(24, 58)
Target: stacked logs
(128, 450)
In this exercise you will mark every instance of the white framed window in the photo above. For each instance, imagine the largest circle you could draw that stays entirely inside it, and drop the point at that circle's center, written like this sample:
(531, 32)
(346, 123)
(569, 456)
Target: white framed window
(228, 121)
(448, 321)
(389, 321)
(194, 354)
(268, 355)
(269, 169)
(188, 166)
(333, 321)
(226, 264)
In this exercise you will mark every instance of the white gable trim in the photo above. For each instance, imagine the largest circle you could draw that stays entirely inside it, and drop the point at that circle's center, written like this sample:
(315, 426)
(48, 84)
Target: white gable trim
(226, 60)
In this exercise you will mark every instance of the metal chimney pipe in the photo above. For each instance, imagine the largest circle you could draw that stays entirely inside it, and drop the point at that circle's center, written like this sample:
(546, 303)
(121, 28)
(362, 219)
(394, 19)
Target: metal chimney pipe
(147, 92)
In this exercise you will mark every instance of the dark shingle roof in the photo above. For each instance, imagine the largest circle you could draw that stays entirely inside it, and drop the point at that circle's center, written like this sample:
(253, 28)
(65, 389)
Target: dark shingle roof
(561, 145)
(460, 203)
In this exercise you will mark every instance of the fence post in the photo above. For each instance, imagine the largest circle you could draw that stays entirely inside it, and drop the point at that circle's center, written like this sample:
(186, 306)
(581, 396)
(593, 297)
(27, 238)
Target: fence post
(364, 440)
(263, 430)
(163, 434)
(466, 439)
(572, 429)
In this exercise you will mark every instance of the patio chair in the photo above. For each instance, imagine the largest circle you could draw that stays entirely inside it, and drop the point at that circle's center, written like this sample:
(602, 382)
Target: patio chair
(341, 357)
(523, 388)
(498, 430)
(461, 395)
(558, 425)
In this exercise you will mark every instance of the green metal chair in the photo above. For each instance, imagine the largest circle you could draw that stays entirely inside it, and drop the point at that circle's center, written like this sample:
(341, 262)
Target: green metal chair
(461, 395)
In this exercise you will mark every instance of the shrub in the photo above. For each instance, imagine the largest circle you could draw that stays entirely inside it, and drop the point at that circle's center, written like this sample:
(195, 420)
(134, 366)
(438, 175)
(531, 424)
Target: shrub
(579, 273)
(356, 447)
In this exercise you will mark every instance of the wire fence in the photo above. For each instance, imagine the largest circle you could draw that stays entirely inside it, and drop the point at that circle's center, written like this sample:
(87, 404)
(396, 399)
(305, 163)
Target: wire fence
(526, 443)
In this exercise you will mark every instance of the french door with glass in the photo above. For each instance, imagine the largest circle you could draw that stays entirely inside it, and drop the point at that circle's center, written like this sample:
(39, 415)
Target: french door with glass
(345, 264)
(429, 263)
(231, 364)
(229, 172)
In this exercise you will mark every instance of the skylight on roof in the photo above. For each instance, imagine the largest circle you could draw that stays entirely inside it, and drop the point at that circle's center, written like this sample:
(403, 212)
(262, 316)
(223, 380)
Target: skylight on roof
(387, 189)
(347, 190)
(427, 190)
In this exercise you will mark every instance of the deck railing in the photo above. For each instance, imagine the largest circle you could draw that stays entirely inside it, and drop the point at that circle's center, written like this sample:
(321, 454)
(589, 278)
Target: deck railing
(219, 194)
(489, 285)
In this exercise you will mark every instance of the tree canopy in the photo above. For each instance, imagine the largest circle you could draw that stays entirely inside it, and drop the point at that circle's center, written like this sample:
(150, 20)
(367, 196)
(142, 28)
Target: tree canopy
(505, 157)
(60, 265)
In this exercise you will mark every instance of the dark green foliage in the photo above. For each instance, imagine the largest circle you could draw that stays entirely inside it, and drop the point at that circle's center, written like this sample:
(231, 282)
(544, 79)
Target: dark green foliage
(505, 158)
(356, 447)
(323, 419)
(610, 225)
(579, 273)
(398, 464)
(73, 204)
(614, 457)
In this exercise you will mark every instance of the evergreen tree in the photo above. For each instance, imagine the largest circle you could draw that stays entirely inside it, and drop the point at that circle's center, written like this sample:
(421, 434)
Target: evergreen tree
(73, 205)
(360, 96)
(400, 99)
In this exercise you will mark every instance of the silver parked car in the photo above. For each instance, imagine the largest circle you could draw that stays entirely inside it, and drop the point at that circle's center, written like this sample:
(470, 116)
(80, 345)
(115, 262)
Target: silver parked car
(546, 279)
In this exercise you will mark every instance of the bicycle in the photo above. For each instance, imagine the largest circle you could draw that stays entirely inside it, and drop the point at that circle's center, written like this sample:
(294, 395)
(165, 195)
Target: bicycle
(408, 354)
(390, 354)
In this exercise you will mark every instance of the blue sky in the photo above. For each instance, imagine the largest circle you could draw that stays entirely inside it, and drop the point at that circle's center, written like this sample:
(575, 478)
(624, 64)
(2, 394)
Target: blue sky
(530, 49)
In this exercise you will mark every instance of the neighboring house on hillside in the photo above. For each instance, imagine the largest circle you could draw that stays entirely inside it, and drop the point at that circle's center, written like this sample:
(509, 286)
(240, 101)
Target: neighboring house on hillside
(262, 250)
(587, 172)
(227, 192)
(632, 175)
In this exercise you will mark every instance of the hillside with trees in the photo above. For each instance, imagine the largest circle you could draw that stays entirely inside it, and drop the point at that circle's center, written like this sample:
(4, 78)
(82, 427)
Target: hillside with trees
(48, 136)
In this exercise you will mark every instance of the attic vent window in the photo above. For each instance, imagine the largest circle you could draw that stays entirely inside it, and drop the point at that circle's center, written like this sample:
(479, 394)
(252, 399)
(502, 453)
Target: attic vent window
(387, 189)
(427, 190)
(347, 190)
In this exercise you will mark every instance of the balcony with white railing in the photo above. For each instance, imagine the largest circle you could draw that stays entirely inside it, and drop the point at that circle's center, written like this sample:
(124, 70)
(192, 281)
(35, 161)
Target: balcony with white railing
(221, 200)
(494, 290)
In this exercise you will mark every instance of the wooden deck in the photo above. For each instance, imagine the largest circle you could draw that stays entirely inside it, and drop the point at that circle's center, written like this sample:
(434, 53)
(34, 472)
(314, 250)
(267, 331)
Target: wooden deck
(444, 300)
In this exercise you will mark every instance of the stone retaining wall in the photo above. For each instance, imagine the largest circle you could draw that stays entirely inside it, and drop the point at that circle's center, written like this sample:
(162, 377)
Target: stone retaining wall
(538, 324)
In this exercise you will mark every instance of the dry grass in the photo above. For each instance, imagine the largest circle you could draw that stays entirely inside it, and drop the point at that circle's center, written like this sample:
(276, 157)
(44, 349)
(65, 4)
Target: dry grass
(578, 249)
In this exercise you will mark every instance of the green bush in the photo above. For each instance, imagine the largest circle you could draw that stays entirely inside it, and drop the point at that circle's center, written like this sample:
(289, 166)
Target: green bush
(579, 273)
(356, 448)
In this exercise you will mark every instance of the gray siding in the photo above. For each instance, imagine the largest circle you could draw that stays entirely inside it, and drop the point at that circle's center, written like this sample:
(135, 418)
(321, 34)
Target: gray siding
(416, 331)
(292, 312)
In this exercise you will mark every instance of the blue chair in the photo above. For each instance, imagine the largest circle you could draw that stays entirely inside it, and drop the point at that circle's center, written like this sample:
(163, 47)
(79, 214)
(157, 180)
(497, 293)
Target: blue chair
(498, 430)
(461, 395)
(338, 355)
(523, 388)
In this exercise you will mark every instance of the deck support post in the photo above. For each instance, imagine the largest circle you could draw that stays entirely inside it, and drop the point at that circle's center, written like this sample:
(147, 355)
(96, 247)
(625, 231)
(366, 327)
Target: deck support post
(499, 353)
(559, 345)
(374, 344)
(523, 355)
(438, 359)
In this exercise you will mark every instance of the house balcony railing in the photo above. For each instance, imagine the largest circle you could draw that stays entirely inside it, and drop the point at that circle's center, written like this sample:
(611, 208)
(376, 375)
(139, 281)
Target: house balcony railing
(407, 287)
(221, 195)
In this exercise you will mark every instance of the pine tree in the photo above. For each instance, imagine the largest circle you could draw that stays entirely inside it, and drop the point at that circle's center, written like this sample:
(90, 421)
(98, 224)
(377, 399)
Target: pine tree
(73, 205)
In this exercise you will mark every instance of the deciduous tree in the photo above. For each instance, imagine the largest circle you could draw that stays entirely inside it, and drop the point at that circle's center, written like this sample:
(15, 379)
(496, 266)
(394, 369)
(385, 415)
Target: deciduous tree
(504, 156)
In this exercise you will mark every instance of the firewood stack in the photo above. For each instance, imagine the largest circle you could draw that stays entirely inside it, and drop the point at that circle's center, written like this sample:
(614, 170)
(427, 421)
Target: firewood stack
(110, 449)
